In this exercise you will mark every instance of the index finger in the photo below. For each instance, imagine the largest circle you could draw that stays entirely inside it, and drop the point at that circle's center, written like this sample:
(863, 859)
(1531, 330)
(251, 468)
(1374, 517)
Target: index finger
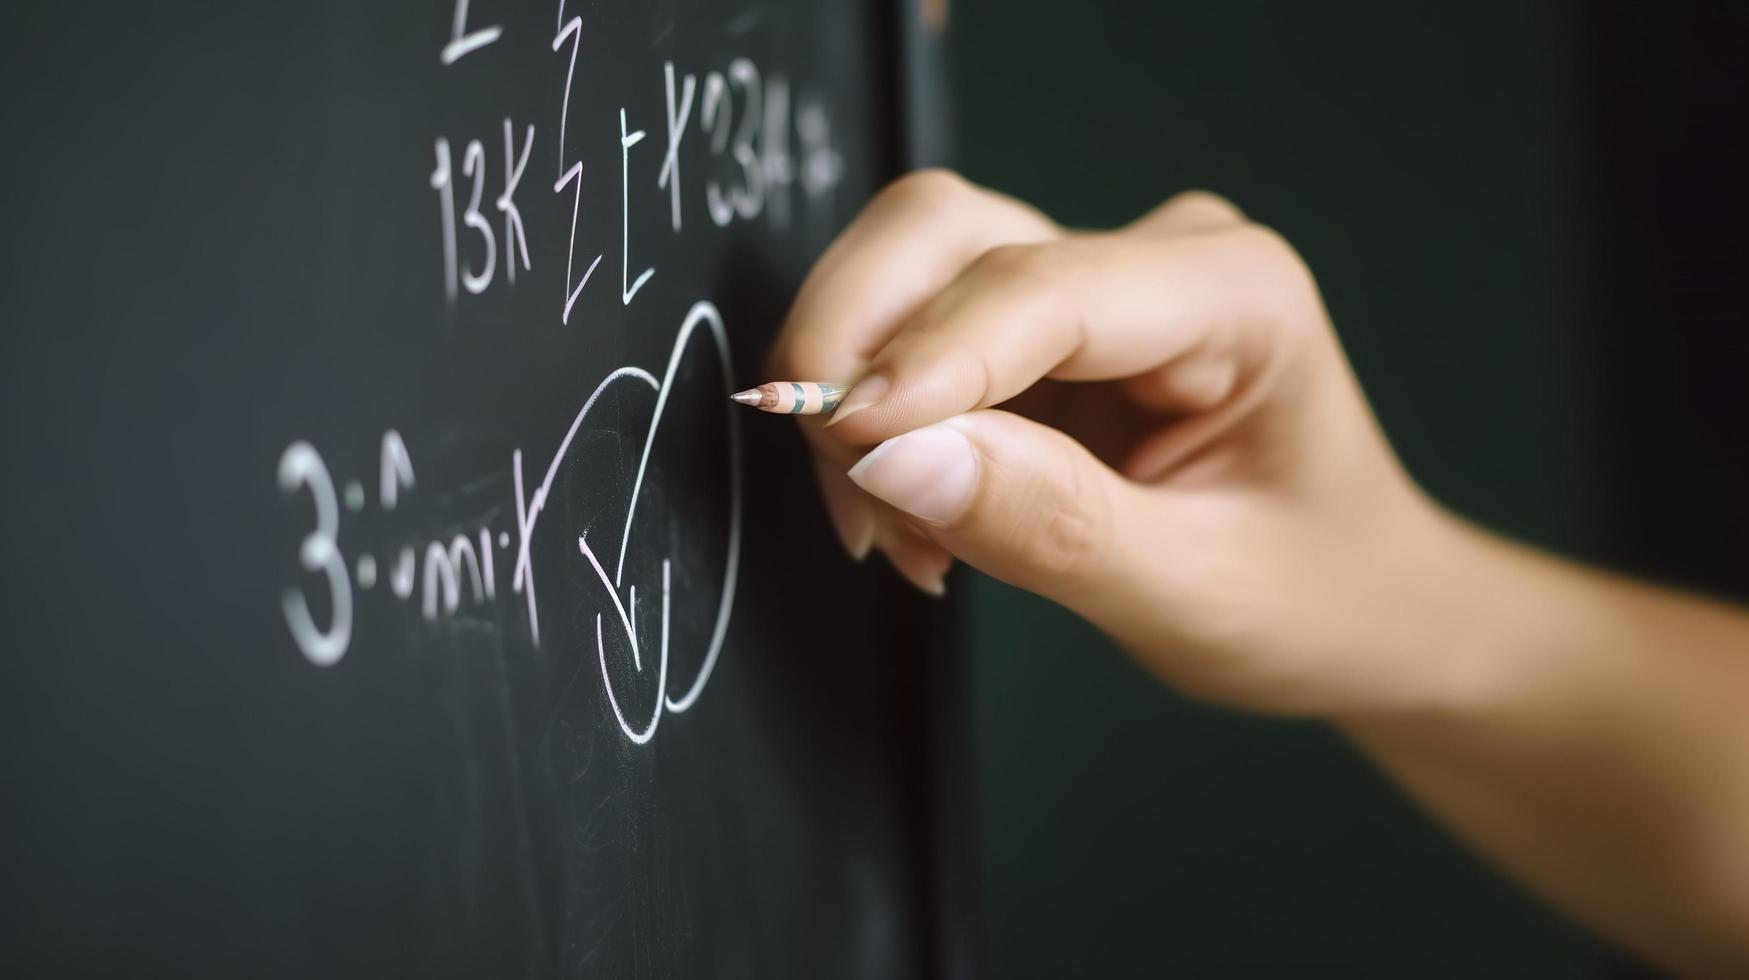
(1090, 307)
(914, 238)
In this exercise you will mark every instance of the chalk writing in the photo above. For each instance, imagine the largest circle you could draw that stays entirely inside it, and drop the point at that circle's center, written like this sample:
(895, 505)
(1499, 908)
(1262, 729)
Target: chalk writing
(752, 154)
(460, 569)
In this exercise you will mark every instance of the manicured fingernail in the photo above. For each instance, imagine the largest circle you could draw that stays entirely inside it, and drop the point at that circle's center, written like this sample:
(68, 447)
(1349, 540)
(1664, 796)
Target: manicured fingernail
(927, 580)
(867, 391)
(853, 517)
(929, 473)
(920, 563)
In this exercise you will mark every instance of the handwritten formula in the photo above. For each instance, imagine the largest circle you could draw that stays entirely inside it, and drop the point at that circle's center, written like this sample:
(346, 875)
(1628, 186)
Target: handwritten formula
(767, 139)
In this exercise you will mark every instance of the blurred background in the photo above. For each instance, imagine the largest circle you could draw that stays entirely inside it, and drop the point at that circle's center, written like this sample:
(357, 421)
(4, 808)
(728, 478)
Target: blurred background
(1527, 221)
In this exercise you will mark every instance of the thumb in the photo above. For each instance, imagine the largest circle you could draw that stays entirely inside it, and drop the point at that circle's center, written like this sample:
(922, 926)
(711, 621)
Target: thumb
(1016, 499)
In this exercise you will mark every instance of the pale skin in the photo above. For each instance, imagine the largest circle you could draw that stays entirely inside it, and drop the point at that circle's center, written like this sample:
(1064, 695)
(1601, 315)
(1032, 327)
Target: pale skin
(1183, 456)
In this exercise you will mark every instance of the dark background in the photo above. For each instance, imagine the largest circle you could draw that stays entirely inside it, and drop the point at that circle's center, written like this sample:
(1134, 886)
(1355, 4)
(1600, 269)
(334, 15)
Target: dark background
(1525, 218)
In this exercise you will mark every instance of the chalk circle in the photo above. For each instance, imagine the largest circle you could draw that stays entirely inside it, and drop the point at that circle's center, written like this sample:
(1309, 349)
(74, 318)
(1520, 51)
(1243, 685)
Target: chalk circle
(701, 313)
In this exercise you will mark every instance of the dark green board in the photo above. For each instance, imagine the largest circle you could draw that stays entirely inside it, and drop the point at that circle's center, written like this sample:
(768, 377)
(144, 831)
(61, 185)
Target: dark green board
(332, 519)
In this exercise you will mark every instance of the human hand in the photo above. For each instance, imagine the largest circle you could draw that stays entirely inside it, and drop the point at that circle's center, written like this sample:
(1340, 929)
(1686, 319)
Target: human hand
(1188, 461)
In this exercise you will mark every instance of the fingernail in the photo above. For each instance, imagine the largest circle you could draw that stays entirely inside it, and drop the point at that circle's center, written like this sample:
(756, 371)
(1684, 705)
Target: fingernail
(867, 391)
(851, 514)
(929, 473)
(918, 562)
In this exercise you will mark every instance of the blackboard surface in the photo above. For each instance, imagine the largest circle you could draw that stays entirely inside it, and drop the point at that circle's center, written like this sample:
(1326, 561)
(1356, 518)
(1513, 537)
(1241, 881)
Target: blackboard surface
(390, 590)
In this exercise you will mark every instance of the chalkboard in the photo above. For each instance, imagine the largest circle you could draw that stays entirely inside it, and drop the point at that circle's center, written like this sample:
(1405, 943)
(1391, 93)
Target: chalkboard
(391, 589)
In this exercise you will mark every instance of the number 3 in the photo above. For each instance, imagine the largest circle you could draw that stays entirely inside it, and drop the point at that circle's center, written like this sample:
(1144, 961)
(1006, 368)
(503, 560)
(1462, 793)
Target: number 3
(474, 165)
(300, 466)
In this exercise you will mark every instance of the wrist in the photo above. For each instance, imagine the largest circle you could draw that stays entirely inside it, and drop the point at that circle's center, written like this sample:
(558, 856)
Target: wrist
(1457, 613)
(1487, 631)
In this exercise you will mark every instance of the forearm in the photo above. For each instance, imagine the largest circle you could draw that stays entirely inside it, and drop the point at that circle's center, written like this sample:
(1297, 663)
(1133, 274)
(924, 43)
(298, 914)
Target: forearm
(1591, 735)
